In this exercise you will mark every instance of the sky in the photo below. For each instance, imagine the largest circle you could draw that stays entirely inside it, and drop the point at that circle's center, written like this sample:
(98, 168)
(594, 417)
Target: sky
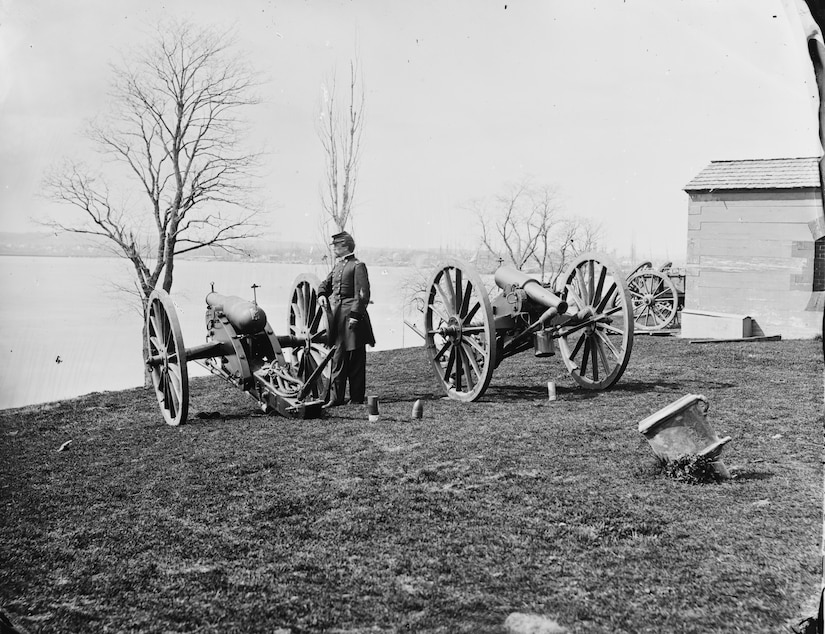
(617, 104)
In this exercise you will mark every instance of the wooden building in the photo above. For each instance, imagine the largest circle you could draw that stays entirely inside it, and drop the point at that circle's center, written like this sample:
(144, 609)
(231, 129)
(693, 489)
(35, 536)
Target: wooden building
(756, 244)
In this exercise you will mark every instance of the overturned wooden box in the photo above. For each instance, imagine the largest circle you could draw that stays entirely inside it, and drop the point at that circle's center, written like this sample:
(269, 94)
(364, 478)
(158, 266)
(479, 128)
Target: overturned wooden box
(682, 429)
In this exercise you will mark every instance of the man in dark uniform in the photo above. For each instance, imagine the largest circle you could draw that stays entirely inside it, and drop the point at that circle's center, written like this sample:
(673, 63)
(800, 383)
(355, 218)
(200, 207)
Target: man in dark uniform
(347, 290)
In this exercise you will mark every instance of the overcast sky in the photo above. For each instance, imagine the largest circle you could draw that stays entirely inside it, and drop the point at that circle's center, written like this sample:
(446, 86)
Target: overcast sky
(616, 103)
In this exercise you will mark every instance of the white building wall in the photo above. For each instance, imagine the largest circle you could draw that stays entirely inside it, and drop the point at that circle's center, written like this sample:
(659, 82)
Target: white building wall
(752, 253)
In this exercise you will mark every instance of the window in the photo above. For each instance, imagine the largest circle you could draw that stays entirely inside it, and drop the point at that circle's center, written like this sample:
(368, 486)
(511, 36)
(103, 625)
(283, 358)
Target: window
(819, 265)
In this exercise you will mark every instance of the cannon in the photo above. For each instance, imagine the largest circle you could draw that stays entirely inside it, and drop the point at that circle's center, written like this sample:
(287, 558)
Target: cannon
(467, 334)
(657, 295)
(286, 374)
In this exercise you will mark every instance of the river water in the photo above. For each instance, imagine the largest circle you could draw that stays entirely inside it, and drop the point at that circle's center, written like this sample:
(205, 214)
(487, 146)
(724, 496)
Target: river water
(67, 331)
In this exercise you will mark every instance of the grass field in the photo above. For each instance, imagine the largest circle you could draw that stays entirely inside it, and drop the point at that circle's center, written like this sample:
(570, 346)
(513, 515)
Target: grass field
(249, 523)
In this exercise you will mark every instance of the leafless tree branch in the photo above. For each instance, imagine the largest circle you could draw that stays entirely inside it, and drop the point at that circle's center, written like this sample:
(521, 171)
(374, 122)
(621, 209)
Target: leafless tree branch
(524, 225)
(340, 132)
(173, 130)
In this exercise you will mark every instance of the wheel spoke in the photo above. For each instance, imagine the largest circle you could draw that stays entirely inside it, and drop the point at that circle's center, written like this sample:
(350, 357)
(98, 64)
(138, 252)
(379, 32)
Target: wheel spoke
(475, 345)
(442, 351)
(300, 304)
(309, 366)
(449, 368)
(577, 347)
(585, 356)
(316, 320)
(155, 344)
(605, 341)
(307, 292)
(467, 366)
(471, 359)
(611, 329)
(468, 318)
(607, 297)
(594, 361)
(459, 367)
(602, 275)
(591, 274)
(459, 287)
(438, 312)
(175, 377)
(465, 302)
(174, 384)
(582, 287)
(613, 310)
(577, 301)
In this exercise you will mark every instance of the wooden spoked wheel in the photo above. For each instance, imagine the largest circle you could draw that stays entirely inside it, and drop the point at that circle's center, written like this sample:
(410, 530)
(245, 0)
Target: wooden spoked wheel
(309, 322)
(166, 360)
(654, 297)
(459, 331)
(641, 267)
(596, 345)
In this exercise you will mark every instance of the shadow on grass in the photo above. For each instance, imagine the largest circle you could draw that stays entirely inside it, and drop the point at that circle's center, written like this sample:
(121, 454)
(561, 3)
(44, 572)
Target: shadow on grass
(204, 417)
(424, 397)
(518, 392)
(752, 475)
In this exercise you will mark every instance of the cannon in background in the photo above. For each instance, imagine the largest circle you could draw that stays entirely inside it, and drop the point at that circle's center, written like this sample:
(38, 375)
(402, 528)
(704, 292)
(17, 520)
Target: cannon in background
(285, 374)
(658, 296)
(467, 335)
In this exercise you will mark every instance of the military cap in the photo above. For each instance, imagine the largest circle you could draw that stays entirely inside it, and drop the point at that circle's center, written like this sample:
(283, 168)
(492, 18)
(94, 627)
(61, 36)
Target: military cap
(343, 238)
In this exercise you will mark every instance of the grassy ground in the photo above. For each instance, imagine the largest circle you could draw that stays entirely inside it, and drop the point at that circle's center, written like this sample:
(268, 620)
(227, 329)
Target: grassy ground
(248, 523)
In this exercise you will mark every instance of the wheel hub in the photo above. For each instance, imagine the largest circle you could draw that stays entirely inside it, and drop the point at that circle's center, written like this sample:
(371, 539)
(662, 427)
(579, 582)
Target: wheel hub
(452, 329)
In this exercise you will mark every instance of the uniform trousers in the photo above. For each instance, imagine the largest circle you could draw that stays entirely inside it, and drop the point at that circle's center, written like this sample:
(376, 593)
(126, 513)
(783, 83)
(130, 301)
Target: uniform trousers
(348, 365)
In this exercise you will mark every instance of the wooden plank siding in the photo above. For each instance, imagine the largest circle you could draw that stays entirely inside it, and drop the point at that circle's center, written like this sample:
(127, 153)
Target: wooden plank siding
(733, 247)
(757, 230)
(752, 253)
(769, 214)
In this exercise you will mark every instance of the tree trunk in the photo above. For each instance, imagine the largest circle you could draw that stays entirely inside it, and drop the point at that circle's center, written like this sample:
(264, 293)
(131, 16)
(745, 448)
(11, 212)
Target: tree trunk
(147, 378)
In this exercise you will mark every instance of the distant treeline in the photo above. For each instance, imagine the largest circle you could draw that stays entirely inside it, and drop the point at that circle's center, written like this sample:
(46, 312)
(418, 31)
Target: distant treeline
(72, 245)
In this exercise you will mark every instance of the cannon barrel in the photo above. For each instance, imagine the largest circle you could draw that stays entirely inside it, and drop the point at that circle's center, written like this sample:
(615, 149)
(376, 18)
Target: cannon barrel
(247, 318)
(507, 276)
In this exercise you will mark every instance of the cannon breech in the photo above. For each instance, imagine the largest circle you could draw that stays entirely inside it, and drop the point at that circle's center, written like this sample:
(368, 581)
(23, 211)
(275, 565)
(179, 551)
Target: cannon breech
(509, 279)
(247, 318)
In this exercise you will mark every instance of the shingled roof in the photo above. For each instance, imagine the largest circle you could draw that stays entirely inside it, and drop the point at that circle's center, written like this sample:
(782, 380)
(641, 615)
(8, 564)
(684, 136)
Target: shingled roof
(788, 173)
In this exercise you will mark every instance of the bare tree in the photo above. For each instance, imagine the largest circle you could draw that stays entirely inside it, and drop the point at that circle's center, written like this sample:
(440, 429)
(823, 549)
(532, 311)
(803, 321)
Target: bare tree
(174, 131)
(340, 130)
(574, 236)
(525, 226)
(509, 224)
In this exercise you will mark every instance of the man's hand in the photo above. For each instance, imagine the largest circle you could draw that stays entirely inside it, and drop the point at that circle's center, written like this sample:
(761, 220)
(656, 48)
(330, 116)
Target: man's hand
(352, 323)
(323, 301)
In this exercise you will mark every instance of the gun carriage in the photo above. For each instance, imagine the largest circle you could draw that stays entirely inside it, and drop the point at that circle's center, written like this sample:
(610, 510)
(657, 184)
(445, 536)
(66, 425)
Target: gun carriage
(286, 374)
(467, 334)
(657, 295)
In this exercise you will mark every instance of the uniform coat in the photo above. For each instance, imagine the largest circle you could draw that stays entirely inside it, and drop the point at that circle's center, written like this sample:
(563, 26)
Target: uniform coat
(347, 288)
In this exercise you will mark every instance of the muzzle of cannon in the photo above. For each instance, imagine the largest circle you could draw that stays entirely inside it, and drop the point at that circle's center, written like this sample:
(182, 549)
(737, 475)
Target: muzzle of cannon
(286, 374)
(467, 334)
